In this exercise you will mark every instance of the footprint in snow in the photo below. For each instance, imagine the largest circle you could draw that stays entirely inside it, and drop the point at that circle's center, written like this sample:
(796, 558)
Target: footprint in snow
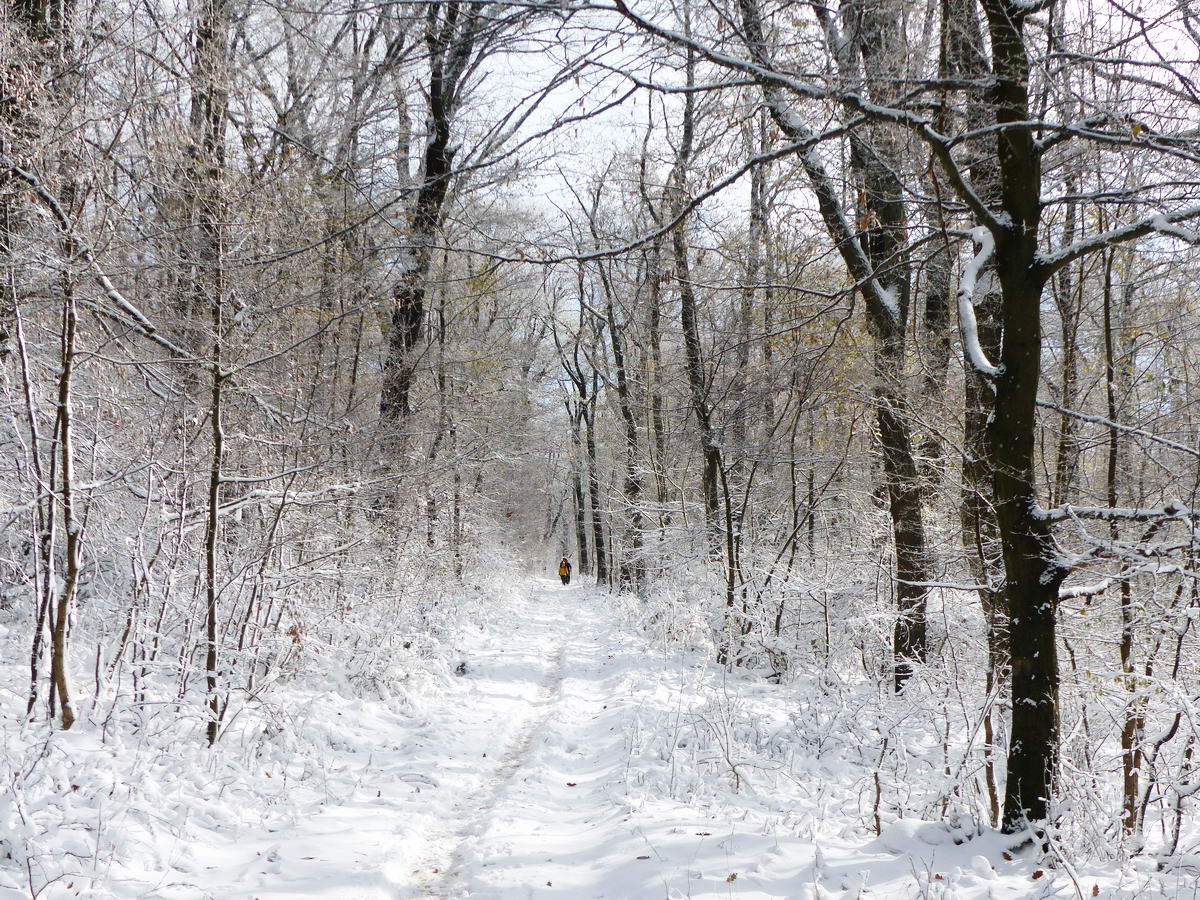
(418, 778)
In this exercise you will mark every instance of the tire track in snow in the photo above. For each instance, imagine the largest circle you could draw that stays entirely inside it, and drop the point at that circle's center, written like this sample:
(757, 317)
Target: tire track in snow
(438, 869)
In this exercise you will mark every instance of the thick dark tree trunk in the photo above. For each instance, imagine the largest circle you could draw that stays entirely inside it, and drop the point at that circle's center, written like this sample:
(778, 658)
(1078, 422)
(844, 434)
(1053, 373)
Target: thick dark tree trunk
(408, 297)
(877, 161)
(451, 30)
(1033, 574)
(963, 58)
(908, 533)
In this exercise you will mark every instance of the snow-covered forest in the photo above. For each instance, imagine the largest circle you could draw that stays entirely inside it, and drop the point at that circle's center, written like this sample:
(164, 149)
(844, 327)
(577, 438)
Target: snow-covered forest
(848, 352)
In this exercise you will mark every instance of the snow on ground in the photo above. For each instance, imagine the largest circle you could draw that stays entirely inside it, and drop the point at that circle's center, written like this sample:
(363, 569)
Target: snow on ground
(569, 760)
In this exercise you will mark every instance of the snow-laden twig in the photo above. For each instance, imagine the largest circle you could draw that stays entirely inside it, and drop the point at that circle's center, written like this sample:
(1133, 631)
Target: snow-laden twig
(262, 495)
(947, 585)
(1107, 423)
(1099, 587)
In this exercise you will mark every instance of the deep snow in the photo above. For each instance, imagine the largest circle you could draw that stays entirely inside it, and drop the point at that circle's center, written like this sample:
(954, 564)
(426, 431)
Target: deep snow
(569, 760)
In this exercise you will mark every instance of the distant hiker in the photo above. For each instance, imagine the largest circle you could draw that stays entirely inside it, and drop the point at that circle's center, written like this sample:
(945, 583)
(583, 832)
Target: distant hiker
(564, 570)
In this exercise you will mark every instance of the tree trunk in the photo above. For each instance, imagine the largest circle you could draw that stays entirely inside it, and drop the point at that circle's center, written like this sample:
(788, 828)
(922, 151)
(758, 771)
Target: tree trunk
(1117, 377)
(632, 565)
(653, 376)
(963, 58)
(577, 489)
(452, 28)
(598, 544)
(694, 362)
(1033, 574)
(876, 161)
(72, 527)
(719, 536)
(1068, 297)
(208, 118)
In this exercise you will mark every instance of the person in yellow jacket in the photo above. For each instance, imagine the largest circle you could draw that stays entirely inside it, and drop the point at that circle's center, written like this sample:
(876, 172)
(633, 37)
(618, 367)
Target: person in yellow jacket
(564, 570)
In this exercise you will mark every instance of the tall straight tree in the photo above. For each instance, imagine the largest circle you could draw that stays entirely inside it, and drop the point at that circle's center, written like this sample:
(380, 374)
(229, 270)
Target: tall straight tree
(718, 508)
(872, 62)
(210, 97)
(963, 61)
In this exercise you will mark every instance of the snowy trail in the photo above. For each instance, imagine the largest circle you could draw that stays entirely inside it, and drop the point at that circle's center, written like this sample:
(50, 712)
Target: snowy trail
(522, 753)
(543, 773)
(448, 840)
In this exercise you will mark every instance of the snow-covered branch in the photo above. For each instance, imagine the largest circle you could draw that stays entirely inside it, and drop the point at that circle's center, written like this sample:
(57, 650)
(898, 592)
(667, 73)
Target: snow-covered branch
(126, 312)
(1128, 429)
(1172, 510)
(1161, 223)
(772, 80)
(968, 326)
(193, 517)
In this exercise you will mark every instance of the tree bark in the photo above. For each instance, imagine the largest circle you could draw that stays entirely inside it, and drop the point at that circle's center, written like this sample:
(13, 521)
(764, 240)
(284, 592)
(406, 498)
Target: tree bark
(598, 545)
(1117, 376)
(1033, 574)
(963, 58)
(877, 160)
(72, 526)
(451, 30)
(581, 538)
(693, 356)
(632, 565)
(208, 120)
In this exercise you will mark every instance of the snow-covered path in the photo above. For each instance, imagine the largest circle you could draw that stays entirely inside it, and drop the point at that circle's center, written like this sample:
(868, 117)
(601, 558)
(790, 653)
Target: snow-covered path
(558, 824)
(517, 783)
(548, 770)
(571, 758)
(538, 796)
